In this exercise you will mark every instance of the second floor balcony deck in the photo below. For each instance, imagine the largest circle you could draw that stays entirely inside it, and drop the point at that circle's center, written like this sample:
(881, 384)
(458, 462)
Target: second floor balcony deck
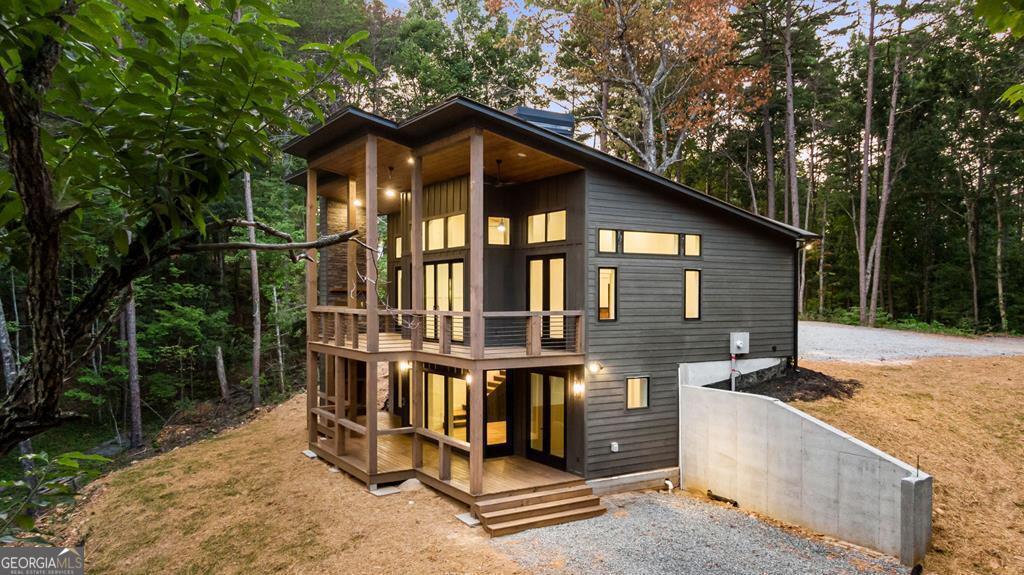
(540, 337)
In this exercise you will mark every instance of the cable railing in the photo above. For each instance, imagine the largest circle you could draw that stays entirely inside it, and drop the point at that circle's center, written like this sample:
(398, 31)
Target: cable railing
(504, 333)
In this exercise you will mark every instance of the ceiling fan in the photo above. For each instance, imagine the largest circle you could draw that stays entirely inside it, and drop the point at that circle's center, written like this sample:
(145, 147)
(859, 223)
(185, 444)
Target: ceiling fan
(496, 181)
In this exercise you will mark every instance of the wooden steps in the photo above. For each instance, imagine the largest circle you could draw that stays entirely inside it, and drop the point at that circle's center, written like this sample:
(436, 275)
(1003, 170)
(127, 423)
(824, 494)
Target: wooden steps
(539, 508)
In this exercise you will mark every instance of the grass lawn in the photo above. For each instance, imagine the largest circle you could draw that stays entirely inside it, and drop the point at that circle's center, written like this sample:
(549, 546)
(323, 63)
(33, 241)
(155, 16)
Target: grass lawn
(964, 419)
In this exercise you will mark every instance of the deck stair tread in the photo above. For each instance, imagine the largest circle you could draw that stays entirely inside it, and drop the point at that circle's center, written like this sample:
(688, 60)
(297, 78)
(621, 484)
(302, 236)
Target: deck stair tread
(540, 508)
(517, 525)
(575, 489)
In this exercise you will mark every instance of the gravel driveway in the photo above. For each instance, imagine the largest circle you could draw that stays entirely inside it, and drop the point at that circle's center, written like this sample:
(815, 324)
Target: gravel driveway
(651, 533)
(830, 341)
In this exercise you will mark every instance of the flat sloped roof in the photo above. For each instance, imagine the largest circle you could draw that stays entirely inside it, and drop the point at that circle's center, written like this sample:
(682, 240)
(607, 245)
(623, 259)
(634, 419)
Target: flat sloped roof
(428, 124)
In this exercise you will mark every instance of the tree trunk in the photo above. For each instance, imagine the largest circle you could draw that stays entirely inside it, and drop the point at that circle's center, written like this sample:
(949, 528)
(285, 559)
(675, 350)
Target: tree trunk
(10, 362)
(769, 161)
(257, 330)
(875, 255)
(972, 251)
(821, 256)
(277, 334)
(1004, 322)
(602, 133)
(222, 377)
(791, 169)
(862, 224)
(135, 395)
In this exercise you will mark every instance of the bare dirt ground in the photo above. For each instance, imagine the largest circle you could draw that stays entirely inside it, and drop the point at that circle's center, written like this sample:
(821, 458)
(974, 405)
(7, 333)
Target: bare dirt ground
(247, 501)
(964, 419)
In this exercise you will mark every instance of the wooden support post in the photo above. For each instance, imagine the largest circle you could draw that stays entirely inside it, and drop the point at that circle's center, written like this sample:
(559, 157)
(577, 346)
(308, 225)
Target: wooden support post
(371, 417)
(416, 409)
(444, 334)
(311, 397)
(339, 332)
(416, 249)
(328, 379)
(370, 189)
(444, 461)
(339, 404)
(476, 432)
(311, 295)
(352, 223)
(476, 243)
(534, 331)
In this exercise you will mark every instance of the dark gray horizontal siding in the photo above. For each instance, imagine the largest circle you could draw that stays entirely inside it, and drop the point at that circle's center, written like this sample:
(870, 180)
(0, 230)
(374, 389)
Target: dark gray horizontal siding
(747, 285)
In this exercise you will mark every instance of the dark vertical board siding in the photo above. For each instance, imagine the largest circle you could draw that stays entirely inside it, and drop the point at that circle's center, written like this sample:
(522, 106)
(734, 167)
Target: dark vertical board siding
(747, 285)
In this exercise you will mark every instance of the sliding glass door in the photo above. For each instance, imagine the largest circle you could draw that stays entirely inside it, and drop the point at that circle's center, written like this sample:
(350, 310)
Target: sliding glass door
(446, 405)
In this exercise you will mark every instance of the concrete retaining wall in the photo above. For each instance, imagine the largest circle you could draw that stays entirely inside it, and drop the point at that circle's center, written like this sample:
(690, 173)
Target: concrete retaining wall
(751, 371)
(785, 464)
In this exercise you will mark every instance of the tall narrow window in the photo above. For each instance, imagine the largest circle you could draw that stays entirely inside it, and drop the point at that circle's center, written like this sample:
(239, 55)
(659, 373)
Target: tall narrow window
(636, 392)
(399, 301)
(547, 227)
(691, 245)
(536, 228)
(456, 231)
(607, 242)
(498, 231)
(435, 234)
(398, 247)
(653, 243)
(606, 293)
(691, 294)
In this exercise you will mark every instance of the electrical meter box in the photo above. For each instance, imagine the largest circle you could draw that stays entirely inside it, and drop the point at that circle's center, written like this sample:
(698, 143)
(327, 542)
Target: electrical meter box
(739, 342)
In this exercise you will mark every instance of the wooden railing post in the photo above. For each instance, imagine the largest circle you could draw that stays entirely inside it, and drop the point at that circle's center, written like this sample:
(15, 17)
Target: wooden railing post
(444, 461)
(444, 334)
(579, 333)
(339, 334)
(534, 330)
(417, 331)
(340, 382)
(354, 330)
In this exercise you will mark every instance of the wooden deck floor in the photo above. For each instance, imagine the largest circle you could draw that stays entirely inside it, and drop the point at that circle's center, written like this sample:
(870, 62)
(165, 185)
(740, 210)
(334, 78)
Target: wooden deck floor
(394, 460)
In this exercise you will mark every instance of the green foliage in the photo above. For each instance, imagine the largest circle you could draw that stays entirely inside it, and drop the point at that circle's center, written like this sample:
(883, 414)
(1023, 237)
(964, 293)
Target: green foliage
(1006, 16)
(851, 316)
(53, 481)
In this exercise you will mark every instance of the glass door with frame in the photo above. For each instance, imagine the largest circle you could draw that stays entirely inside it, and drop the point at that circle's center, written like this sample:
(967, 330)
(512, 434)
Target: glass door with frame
(547, 419)
(443, 290)
(546, 292)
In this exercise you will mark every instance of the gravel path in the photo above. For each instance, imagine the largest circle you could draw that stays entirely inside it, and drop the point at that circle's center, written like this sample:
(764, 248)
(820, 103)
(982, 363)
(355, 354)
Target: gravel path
(830, 341)
(651, 533)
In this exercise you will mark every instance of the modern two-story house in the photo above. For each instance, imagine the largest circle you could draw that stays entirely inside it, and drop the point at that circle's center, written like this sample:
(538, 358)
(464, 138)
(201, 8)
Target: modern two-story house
(512, 321)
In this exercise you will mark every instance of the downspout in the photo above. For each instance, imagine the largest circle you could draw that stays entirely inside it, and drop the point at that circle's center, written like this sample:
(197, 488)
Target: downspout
(796, 302)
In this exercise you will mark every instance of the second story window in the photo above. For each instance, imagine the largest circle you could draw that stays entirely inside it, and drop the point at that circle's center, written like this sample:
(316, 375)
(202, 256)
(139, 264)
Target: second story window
(448, 232)
(650, 243)
(546, 227)
(691, 245)
(606, 289)
(607, 241)
(499, 231)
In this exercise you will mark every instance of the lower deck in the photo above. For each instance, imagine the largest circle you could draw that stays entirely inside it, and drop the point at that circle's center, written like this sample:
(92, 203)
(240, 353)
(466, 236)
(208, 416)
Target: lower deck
(503, 475)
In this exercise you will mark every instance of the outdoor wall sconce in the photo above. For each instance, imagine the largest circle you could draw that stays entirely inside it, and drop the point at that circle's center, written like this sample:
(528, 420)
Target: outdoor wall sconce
(594, 367)
(404, 366)
(357, 203)
(577, 388)
(469, 378)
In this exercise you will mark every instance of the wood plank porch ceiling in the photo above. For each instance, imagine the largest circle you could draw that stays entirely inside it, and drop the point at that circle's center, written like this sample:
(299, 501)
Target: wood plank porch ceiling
(519, 164)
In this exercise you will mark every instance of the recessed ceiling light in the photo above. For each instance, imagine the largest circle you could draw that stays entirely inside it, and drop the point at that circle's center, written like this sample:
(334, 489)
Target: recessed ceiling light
(389, 192)
(411, 160)
(520, 154)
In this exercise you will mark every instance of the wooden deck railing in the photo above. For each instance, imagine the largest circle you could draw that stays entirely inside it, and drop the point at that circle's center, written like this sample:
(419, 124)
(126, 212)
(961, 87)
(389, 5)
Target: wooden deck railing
(505, 334)
(445, 444)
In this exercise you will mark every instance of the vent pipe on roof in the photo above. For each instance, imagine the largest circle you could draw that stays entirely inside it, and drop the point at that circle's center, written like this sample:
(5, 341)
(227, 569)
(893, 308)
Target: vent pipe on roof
(559, 123)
